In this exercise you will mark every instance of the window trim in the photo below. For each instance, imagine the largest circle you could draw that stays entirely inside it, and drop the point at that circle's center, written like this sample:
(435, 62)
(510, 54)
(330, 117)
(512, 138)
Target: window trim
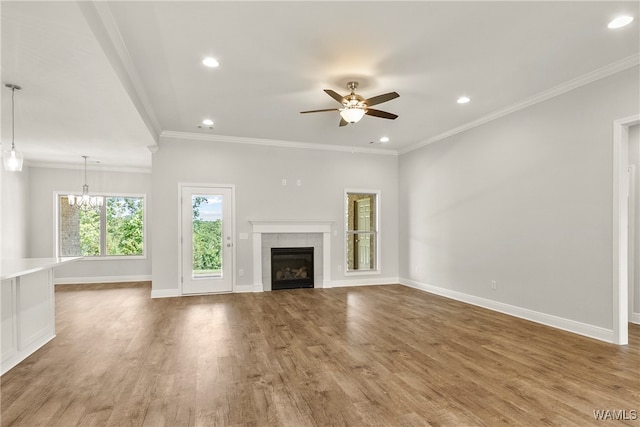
(56, 226)
(378, 232)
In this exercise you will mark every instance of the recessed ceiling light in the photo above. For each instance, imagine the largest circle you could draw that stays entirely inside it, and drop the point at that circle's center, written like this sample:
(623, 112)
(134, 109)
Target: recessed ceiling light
(463, 100)
(620, 22)
(384, 139)
(207, 122)
(210, 62)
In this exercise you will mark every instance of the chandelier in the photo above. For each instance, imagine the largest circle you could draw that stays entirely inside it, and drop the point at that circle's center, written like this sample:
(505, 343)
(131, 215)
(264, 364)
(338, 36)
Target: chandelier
(85, 202)
(12, 159)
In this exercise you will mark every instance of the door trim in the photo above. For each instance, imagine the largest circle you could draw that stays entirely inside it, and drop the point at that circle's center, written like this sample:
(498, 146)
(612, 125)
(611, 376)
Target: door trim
(378, 210)
(620, 279)
(633, 191)
(232, 187)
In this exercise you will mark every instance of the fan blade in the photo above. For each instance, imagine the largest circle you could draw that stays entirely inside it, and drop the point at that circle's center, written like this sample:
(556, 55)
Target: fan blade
(334, 95)
(381, 114)
(381, 98)
(319, 111)
(343, 122)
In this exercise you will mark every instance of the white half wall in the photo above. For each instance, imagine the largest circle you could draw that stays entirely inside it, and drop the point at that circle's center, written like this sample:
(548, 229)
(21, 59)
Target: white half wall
(258, 172)
(524, 201)
(45, 182)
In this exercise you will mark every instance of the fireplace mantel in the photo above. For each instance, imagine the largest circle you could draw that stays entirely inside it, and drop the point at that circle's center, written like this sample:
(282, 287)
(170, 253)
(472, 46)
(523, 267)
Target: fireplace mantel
(261, 227)
(291, 226)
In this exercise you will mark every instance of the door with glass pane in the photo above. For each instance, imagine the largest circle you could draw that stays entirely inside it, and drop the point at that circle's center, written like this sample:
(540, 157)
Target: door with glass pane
(363, 224)
(207, 244)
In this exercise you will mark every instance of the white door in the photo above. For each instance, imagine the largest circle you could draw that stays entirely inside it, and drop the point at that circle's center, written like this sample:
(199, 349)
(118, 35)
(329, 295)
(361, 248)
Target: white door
(207, 243)
(364, 239)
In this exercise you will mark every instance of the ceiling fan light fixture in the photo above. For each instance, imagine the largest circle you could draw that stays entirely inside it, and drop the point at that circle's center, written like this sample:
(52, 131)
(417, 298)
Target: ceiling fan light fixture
(352, 114)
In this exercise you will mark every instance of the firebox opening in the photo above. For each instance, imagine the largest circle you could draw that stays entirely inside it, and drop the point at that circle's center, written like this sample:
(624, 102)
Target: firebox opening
(291, 268)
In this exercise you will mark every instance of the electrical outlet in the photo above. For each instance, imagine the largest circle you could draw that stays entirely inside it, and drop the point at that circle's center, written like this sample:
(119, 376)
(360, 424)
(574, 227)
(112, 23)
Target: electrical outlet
(241, 272)
(494, 285)
(339, 268)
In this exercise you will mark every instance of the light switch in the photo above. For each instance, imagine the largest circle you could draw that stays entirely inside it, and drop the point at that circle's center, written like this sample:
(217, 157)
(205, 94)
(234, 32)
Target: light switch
(244, 236)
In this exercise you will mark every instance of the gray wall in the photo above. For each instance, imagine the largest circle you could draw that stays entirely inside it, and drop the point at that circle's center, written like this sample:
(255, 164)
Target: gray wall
(257, 172)
(14, 199)
(525, 200)
(45, 182)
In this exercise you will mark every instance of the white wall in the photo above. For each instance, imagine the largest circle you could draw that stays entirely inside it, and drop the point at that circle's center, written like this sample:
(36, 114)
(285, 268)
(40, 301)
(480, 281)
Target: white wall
(45, 182)
(634, 159)
(14, 197)
(257, 173)
(525, 200)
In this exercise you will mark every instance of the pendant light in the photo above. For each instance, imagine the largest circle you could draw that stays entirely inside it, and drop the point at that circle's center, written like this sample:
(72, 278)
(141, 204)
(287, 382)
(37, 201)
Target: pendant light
(84, 202)
(12, 159)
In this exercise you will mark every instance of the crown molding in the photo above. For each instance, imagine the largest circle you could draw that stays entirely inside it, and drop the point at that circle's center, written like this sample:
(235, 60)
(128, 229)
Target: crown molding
(565, 87)
(92, 167)
(274, 143)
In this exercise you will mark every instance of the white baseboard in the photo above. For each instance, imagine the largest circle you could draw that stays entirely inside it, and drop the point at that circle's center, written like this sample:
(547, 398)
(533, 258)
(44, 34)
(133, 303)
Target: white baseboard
(635, 318)
(362, 282)
(243, 289)
(580, 328)
(100, 279)
(165, 293)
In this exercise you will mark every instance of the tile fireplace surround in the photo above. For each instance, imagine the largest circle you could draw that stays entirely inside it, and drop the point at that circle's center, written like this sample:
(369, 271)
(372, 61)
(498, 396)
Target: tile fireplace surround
(279, 233)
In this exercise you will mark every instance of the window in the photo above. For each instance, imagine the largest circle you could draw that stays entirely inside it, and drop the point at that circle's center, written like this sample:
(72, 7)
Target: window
(116, 230)
(361, 230)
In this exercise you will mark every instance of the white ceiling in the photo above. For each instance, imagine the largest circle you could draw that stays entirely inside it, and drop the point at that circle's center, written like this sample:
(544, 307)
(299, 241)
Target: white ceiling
(105, 79)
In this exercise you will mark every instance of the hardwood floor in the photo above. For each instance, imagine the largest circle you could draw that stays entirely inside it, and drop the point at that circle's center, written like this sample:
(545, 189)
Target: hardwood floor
(380, 355)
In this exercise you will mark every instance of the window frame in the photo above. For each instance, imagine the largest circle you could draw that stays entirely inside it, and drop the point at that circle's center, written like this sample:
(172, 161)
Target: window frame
(103, 226)
(376, 232)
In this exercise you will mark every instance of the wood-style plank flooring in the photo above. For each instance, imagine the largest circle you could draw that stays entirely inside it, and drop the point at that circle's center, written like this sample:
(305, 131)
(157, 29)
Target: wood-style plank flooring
(379, 355)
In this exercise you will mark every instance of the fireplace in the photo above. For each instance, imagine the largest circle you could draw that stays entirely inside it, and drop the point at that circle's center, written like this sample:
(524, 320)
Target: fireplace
(291, 268)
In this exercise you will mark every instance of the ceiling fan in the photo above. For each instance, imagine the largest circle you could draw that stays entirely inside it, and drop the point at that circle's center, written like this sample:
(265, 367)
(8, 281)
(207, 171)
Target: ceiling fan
(354, 107)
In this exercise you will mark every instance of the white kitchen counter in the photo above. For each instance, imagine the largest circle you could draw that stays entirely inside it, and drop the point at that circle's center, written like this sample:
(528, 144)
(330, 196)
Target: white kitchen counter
(27, 309)
(10, 268)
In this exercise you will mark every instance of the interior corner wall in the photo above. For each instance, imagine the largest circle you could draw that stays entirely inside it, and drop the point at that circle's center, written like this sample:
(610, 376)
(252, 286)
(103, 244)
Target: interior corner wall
(45, 182)
(257, 172)
(526, 201)
(14, 195)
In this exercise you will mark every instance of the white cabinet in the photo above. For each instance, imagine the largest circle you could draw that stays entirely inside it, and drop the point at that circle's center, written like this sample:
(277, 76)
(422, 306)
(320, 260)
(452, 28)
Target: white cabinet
(27, 308)
(9, 324)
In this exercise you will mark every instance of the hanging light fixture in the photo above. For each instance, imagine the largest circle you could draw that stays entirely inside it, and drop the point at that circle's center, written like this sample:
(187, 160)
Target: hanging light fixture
(12, 159)
(85, 202)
